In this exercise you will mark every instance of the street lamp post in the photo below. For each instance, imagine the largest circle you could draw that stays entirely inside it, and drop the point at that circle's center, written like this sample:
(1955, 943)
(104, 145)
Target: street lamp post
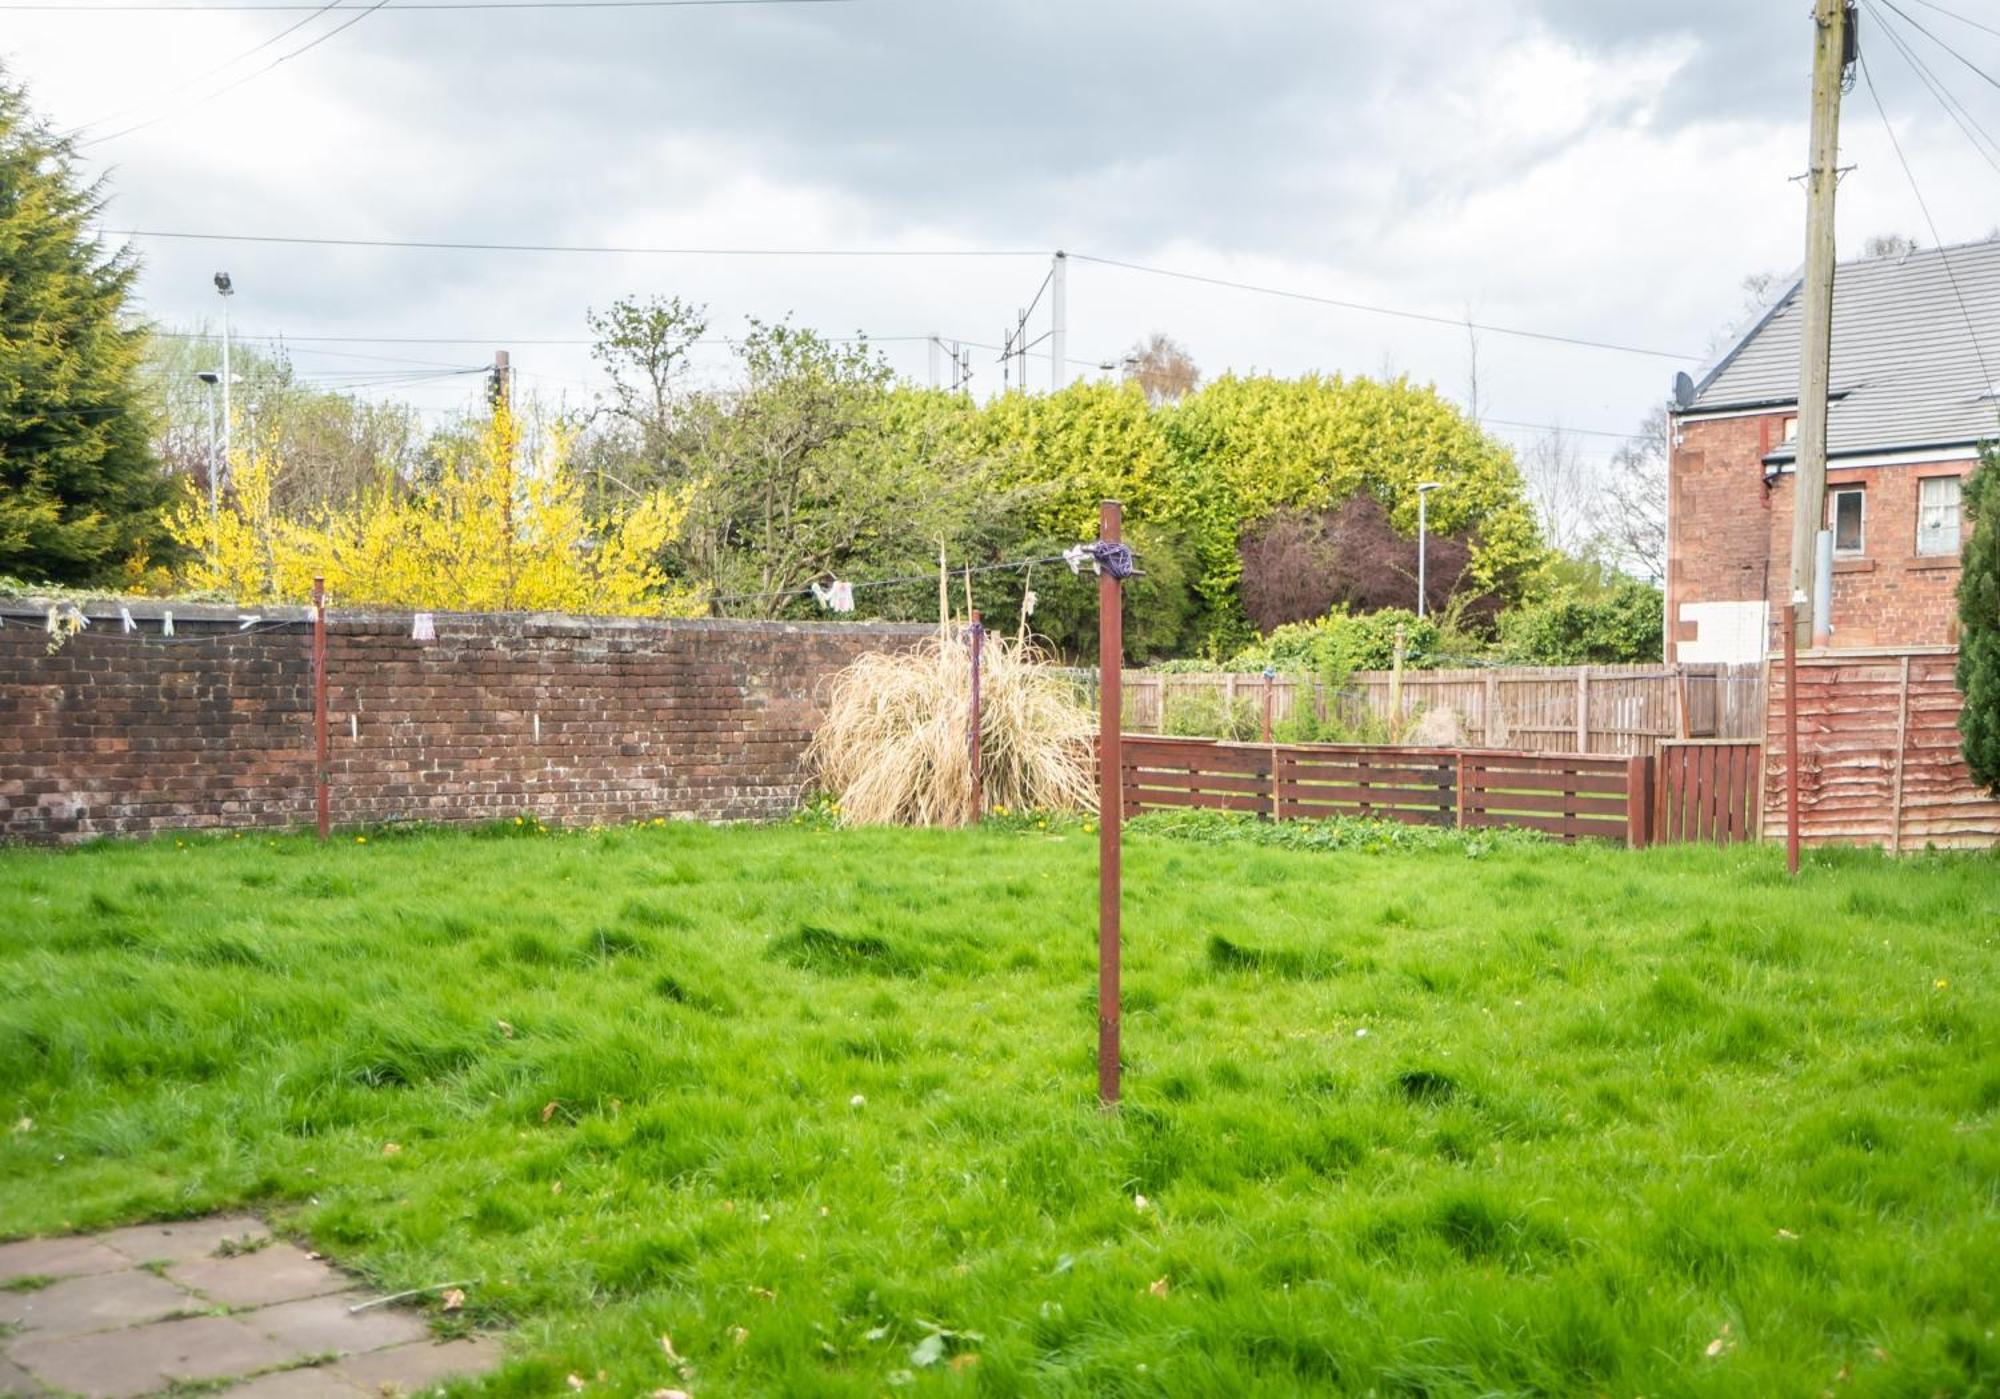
(211, 378)
(1423, 536)
(227, 289)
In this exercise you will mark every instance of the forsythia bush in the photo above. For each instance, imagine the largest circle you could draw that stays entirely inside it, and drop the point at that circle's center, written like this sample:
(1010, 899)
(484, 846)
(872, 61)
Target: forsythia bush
(485, 536)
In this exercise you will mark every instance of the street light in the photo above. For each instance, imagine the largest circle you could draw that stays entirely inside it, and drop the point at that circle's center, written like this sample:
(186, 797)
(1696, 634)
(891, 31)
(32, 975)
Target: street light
(211, 378)
(227, 289)
(1423, 535)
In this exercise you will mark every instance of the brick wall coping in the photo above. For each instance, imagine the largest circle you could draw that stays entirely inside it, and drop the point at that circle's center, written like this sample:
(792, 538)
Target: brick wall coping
(553, 623)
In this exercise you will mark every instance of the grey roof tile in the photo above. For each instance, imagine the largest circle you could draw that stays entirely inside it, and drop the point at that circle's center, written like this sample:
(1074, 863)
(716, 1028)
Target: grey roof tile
(1905, 372)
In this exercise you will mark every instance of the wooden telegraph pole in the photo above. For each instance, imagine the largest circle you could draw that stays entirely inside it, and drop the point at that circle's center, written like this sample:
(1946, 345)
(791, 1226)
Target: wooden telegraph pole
(1110, 801)
(1833, 23)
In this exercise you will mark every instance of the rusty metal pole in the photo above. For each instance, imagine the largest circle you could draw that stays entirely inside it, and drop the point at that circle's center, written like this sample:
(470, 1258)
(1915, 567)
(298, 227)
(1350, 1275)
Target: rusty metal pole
(320, 762)
(1792, 739)
(1111, 802)
(975, 635)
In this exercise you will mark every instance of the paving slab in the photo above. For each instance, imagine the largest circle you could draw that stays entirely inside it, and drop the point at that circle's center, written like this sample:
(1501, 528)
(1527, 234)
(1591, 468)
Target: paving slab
(279, 1273)
(295, 1384)
(94, 1303)
(71, 1256)
(184, 1240)
(413, 1368)
(325, 1326)
(142, 1359)
(17, 1383)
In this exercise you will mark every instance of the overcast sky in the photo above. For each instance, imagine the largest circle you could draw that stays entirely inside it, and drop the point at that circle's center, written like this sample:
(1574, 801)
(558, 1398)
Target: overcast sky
(1588, 168)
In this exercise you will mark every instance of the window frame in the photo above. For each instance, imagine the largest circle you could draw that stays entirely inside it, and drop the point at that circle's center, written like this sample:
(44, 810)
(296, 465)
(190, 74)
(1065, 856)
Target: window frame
(1833, 496)
(1958, 517)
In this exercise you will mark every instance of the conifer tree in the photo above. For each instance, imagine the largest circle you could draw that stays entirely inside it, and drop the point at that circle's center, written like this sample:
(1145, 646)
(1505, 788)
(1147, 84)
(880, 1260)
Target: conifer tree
(80, 491)
(1979, 622)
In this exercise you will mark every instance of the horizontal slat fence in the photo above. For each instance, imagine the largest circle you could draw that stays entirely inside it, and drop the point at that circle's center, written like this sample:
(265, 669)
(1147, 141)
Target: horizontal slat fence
(1570, 795)
(1608, 709)
(1575, 796)
(1707, 791)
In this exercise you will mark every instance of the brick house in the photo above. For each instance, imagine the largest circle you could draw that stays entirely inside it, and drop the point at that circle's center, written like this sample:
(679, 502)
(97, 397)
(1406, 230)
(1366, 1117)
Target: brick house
(1909, 405)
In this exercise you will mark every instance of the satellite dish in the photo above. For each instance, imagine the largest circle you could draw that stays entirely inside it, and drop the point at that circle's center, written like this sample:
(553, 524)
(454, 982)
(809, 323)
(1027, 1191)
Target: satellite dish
(1683, 390)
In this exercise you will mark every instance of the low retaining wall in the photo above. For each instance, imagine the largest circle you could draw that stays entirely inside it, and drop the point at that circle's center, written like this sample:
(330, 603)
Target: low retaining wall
(574, 720)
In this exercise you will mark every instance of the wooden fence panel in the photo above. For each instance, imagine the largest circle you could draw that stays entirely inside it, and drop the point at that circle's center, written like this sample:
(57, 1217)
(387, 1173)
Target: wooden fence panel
(1573, 796)
(1706, 790)
(1627, 709)
(1879, 757)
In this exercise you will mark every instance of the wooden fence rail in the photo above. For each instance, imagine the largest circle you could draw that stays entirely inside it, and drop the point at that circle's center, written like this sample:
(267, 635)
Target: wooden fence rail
(1575, 796)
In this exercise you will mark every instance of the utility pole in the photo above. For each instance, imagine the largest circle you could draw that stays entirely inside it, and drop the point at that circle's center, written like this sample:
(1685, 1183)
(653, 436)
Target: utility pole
(227, 288)
(500, 381)
(1059, 322)
(1833, 22)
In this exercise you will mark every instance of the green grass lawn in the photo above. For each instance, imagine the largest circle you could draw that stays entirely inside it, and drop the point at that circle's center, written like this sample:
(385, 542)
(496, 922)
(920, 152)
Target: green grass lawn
(819, 1105)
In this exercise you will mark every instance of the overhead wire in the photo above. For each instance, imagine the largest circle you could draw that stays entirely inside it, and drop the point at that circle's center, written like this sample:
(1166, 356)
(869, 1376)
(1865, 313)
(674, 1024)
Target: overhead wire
(1983, 75)
(255, 6)
(1972, 334)
(1954, 14)
(201, 78)
(457, 245)
(1457, 323)
(206, 98)
(1982, 140)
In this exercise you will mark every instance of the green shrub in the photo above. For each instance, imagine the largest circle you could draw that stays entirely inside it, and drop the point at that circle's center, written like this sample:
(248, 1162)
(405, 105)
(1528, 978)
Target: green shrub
(1621, 625)
(1979, 622)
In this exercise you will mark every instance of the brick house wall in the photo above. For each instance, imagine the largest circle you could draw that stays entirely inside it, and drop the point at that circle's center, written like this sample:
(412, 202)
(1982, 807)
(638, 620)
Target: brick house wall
(573, 720)
(1730, 540)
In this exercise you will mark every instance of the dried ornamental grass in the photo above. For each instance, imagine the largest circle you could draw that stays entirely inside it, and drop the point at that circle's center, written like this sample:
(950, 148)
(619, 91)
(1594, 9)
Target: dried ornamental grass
(893, 747)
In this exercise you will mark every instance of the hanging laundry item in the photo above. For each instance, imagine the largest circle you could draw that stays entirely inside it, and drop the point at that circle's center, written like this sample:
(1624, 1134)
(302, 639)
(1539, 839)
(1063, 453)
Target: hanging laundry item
(166, 624)
(125, 622)
(836, 596)
(1114, 559)
(423, 627)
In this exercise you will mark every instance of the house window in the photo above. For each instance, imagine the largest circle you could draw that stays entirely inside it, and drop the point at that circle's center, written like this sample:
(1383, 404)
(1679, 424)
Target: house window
(1849, 509)
(1937, 515)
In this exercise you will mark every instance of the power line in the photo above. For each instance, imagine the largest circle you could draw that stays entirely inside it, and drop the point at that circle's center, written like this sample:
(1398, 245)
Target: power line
(306, 47)
(1978, 135)
(1954, 14)
(448, 245)
(1345, 305)
(219, 68)
(1905, 15)
(47, 7)
(1985, 376)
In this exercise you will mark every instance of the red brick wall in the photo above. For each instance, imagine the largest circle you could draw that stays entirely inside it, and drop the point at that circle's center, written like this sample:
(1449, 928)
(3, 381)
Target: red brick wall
(132, 734)
(1731, 539)
(1722, 518)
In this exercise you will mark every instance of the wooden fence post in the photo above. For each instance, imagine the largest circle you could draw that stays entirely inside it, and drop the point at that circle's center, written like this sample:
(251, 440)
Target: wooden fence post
(1492, 708)
(1460, 823)
(1638, 801)
(1902, 741)
(1583, 711)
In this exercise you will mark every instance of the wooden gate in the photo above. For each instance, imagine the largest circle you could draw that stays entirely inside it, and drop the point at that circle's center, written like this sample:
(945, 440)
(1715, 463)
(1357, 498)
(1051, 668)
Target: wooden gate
(1707, 791)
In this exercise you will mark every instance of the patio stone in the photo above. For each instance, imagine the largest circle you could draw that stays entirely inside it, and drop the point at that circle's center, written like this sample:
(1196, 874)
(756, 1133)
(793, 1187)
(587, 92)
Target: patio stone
(72, 1255)
(294, 1384)
(279, 1273)
(324, 1325)
(410, 1369)
(184, 1240)
(142, 1359)
(94, 1303)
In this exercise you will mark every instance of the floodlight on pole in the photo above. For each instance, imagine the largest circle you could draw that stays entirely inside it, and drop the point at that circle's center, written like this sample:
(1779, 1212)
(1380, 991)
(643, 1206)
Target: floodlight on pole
(226, 289)
(1423, 536)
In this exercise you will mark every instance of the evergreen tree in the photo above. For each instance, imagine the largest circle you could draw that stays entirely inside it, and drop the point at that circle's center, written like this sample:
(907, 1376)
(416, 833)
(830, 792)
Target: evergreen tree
(1979, 622)
(80, 492)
